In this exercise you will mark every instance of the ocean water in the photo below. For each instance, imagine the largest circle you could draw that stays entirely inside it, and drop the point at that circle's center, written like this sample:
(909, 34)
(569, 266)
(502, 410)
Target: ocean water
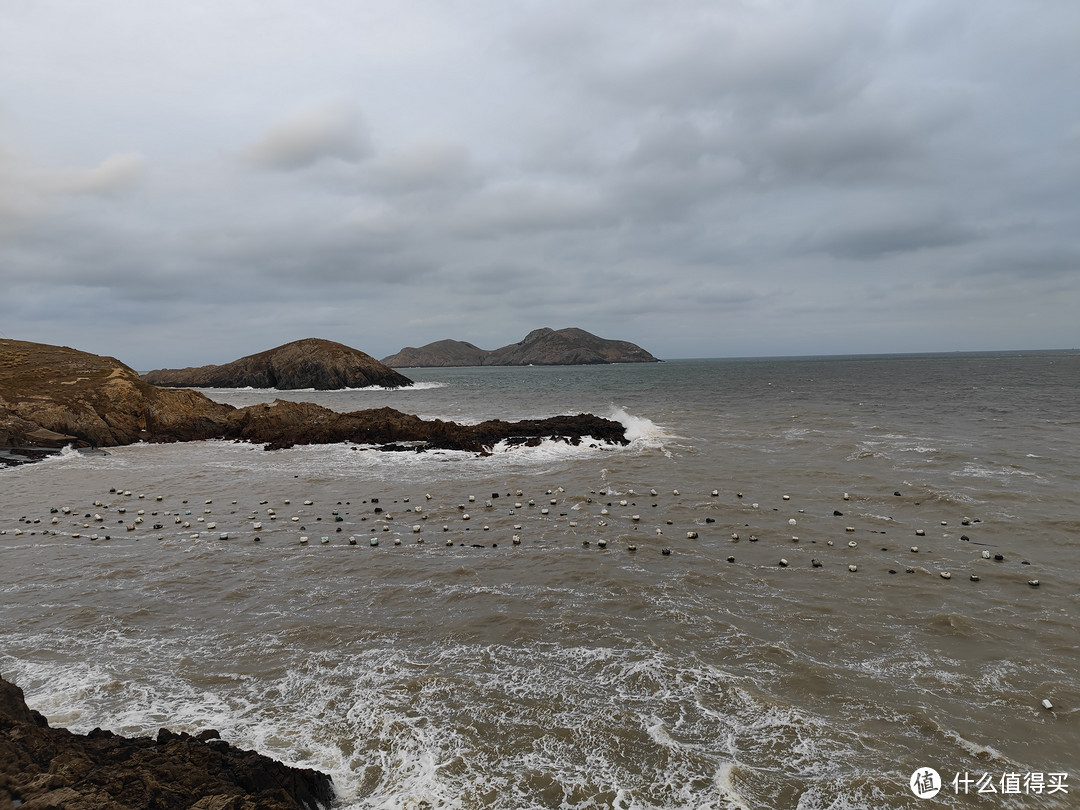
(450, 667)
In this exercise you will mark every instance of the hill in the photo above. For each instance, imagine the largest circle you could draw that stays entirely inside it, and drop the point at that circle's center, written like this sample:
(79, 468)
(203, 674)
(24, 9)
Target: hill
(541, 347)
(51, 396)
(309, 363)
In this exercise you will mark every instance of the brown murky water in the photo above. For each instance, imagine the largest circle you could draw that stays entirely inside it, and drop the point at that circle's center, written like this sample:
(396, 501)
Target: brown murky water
(567, 670)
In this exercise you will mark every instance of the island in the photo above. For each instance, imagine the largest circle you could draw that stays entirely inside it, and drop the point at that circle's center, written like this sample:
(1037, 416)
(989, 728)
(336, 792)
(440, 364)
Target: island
(309, 363)
(53, 396)
(541, 347)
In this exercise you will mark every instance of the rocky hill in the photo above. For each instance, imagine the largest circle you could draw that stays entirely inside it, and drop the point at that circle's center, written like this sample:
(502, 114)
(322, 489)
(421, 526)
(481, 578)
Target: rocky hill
(541, 347)
(46, 767)
(309, 363)
(54, 395)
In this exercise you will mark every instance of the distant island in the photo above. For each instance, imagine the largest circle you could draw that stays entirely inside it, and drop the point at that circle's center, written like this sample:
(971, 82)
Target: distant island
(541, 347)
(309, 363)
(52, 396)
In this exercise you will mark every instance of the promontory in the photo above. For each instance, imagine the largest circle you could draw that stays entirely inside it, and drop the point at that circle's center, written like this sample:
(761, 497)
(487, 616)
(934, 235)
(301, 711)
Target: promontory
(52, 396)
(308, 363)
(541, 347)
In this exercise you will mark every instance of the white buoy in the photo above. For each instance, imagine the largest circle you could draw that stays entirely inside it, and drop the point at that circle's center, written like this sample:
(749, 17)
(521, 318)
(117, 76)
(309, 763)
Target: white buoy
(847, 497)
(849, 528)
(1046, 704)
(920, 532)
(792, 522)
(852, 544)
(691, 535)
(946, 575)
(787, 497)
(783, 563)
(1034, 583)
(303, 540)
(715, 492)
(853, 568)
(914, 549)
(324, 540)
(986, 554)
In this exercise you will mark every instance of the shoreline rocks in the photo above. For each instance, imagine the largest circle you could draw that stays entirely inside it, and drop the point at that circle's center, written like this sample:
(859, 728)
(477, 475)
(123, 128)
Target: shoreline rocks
(51, 396)
(42, 768)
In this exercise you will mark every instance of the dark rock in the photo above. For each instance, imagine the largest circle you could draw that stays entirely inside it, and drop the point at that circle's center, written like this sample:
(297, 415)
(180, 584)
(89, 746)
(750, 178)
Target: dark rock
(98, 401)
(541, 347)
(309, 363)
(43, 767)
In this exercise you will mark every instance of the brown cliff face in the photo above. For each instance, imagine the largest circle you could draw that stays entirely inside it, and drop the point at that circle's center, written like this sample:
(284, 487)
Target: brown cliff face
(53, 395)
(541, 347)
(310, 363)
(51, 768)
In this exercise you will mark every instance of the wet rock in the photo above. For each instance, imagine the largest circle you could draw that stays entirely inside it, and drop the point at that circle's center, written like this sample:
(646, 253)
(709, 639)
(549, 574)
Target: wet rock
(44, 768)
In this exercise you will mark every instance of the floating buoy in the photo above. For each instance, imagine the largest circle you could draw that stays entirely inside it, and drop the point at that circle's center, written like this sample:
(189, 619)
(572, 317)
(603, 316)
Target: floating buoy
(914, 549)
(1034, 583)
(631, 547)
(783, 563)
(1046, 704)
(602, 543)
(986, 554)
(946, 575)
(715, 492)
(374, 541)
(786, 497)
(734, 535)
(853, 568)
(665, 551)
(323, 540)
(691, 535)
(815, 563)
(847, 497)
(852, 544)
(303, 540)
(849, 528)
(828, 542)
(517, 540)
(974, 577)
(792, 522)
(920, 532)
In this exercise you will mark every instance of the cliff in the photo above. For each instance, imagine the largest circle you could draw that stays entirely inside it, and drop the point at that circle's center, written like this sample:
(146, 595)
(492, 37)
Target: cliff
(51, 768)
(541, 347)
(309, 363)
(54, 395)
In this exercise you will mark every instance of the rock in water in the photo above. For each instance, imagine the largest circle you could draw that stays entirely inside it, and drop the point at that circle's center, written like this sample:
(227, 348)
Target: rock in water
(49, 767)
(53, 395)
(310, 363)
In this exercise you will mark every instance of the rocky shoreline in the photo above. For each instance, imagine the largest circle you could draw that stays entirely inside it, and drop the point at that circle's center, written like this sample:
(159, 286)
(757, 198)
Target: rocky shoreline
(46, 768)
(53, 396)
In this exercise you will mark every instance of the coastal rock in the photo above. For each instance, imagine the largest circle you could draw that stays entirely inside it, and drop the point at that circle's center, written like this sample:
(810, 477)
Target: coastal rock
(310, 363)
(54, 395)
(541, 347)
(43, 768)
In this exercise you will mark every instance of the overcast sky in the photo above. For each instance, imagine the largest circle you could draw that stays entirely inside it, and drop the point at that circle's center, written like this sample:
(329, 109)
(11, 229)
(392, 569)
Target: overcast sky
(188, 182)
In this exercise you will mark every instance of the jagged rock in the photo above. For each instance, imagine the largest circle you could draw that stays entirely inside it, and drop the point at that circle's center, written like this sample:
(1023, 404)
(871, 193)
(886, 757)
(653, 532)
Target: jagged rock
(42, 768)
(98, 401)
(541, 347)
(310, 363)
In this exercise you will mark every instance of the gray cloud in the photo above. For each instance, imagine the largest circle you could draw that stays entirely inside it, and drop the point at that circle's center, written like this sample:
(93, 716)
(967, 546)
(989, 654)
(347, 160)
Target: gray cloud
(703, 178)
(329, 131)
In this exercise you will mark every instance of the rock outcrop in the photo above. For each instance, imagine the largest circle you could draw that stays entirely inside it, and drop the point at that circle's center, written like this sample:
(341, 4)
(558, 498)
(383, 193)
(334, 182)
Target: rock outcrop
(541, 347)
(51, 396)
(45, 768)
(310, 363)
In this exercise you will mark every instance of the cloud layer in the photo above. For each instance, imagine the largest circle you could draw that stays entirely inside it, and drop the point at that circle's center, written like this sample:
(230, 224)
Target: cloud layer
(186, 185)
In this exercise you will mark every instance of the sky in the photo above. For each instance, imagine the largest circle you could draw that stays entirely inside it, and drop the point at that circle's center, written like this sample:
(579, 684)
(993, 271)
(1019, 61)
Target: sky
(188, 183)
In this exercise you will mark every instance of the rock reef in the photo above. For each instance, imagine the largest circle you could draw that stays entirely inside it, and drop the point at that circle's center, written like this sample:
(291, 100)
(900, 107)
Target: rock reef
(541, 347)
(45, 768)
(51, 396)
(310, 363)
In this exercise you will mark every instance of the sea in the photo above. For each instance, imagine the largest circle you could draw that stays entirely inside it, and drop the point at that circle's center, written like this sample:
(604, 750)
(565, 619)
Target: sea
(812, 583)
